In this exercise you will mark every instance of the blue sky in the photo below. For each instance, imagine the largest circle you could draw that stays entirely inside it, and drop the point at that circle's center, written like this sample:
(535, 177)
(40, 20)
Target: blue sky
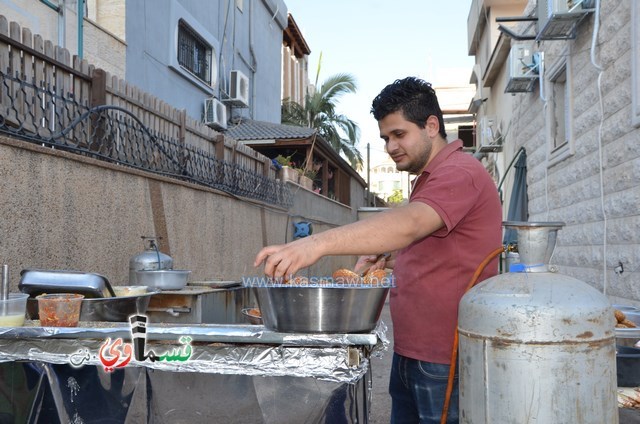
(378, 41)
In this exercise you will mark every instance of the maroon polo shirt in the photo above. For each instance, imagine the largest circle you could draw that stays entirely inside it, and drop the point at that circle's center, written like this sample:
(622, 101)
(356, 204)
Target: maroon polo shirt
(431, 274)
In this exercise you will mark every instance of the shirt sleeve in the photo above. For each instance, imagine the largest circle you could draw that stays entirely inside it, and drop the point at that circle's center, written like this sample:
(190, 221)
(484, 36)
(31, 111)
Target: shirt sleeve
(451, 192)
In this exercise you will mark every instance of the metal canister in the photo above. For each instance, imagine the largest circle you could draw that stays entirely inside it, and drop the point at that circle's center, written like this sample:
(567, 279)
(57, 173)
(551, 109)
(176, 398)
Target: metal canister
(148, 260)
(536, 346)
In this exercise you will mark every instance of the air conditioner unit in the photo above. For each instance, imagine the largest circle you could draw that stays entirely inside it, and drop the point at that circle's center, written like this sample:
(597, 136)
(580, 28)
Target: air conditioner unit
(523, 67)
(215, 114)
(238, 89)
(558, 19)
(486, 134)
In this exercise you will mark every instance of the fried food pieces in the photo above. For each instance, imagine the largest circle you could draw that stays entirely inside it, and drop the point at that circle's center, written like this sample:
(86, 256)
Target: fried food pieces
(346, 276)
(341, 277)
(622, 320)
(373, 278)
(376, 277)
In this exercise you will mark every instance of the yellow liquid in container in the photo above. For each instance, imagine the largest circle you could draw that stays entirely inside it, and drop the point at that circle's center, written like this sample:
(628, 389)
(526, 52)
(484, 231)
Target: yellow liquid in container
(15, 320)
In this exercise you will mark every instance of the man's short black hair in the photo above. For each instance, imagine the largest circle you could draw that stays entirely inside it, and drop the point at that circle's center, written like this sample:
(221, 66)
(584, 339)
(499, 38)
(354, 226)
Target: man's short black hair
(415, 98)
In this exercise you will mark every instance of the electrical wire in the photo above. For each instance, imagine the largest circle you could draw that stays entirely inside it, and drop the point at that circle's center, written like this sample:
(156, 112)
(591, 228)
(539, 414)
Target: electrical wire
(545, 104)
(454, 350)
(546, 168)
(600, 69)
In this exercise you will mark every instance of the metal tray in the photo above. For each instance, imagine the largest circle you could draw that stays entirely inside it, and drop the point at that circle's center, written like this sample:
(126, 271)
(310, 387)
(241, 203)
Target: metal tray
(39, 281)
(111, 309)
(630, 333)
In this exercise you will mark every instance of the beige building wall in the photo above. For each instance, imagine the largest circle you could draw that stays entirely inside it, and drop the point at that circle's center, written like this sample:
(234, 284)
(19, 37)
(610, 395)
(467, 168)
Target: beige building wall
(295, 76)
(592, 182)
(103, 33)
(385, 179)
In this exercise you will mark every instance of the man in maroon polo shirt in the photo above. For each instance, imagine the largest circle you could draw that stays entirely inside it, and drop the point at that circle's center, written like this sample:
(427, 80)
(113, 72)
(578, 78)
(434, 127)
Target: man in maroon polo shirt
(450, 225)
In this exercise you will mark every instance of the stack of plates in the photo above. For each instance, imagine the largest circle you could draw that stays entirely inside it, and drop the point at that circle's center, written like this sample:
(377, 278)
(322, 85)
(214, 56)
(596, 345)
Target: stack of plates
(216, 284)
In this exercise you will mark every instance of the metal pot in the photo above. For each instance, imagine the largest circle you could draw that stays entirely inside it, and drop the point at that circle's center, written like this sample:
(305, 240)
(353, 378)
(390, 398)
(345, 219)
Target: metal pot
(164, 279)
(150, 259)
(324, 309)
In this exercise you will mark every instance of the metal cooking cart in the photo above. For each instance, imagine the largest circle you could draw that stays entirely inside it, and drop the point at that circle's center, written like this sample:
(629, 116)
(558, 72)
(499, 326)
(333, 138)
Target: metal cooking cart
(232, 373)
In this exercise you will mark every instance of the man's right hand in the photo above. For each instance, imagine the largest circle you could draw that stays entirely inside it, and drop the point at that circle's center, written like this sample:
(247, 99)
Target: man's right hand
(369, 263)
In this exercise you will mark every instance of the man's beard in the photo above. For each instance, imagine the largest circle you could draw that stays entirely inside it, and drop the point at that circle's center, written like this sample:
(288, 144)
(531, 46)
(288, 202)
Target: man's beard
(417, 165)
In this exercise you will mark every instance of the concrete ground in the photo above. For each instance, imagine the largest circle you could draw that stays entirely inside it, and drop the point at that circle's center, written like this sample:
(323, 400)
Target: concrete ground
(381, 366)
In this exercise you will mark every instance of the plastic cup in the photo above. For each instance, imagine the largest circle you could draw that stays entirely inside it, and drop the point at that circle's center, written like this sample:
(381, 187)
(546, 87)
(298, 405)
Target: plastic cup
(60, 309)
(13, 309)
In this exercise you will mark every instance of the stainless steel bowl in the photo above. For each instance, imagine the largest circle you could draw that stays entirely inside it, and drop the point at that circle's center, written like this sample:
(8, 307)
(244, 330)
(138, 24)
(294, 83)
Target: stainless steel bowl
(625, 308)
(327, 309)
(250, 315)
(164, 279)
(111, 309)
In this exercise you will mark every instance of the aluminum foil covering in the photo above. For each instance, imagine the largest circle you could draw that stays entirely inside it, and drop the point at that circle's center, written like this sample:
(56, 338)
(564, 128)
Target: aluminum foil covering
(340, 364)
(40, 392)
(200, 373)
(223, 333)
(232, 349)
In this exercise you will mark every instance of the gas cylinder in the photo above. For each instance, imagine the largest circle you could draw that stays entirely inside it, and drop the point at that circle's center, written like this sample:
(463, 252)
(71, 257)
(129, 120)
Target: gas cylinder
(536, 346)
(148, 260)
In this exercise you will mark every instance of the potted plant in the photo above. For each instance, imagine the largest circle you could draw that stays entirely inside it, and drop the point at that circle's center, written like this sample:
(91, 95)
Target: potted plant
(286, 168)
(306, 178)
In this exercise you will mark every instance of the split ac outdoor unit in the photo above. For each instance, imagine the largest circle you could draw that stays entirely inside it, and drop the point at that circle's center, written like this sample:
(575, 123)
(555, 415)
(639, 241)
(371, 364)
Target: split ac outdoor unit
(215, 113)
(558, 19)
(238, 89)
(523, 67)
(485, 134)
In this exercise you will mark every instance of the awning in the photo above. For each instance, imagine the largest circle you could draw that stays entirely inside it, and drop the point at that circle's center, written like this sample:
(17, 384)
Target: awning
(518, 205)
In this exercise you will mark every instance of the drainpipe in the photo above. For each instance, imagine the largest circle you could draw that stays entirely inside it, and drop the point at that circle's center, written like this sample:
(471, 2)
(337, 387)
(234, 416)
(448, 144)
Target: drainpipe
(59, 9)
(80, 27)
(254, 61)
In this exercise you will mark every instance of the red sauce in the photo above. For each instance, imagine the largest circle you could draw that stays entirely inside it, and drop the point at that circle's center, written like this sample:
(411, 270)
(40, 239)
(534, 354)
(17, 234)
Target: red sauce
(59, 310)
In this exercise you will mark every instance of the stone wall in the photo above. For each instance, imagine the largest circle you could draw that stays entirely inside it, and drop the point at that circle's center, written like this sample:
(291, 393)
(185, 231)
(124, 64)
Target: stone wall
(596, 188)
(64, 211)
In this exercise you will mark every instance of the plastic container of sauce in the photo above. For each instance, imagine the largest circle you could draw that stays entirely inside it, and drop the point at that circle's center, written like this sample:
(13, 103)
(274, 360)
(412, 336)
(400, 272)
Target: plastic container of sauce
(59, 309)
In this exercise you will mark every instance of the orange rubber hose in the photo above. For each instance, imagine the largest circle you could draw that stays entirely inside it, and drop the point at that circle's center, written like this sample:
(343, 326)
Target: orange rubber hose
(454, 351)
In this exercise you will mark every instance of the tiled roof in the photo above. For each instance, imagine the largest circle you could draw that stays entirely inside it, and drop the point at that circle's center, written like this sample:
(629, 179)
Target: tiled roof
(248, 129)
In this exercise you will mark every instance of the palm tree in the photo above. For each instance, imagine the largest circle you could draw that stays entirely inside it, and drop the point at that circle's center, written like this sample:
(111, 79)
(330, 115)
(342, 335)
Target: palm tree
(319, 112)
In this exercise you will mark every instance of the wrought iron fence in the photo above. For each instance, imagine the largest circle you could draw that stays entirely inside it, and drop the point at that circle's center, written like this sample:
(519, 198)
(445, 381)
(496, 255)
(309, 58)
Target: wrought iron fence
(40, 114)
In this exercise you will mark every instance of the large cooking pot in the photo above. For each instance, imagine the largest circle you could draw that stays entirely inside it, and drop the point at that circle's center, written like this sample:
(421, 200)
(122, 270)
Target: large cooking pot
(111, 309)
(320, 309)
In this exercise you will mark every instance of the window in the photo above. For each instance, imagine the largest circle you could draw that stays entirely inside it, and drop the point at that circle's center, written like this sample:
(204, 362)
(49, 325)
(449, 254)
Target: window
(194, 50)
(559, 103)
(194, 54)
(559, 110)
(465, 133)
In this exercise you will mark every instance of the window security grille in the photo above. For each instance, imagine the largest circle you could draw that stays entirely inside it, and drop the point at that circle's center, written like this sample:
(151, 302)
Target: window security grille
(193, 53)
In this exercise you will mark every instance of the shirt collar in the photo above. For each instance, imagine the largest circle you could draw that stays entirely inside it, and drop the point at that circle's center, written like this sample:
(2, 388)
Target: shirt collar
(442, 155)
